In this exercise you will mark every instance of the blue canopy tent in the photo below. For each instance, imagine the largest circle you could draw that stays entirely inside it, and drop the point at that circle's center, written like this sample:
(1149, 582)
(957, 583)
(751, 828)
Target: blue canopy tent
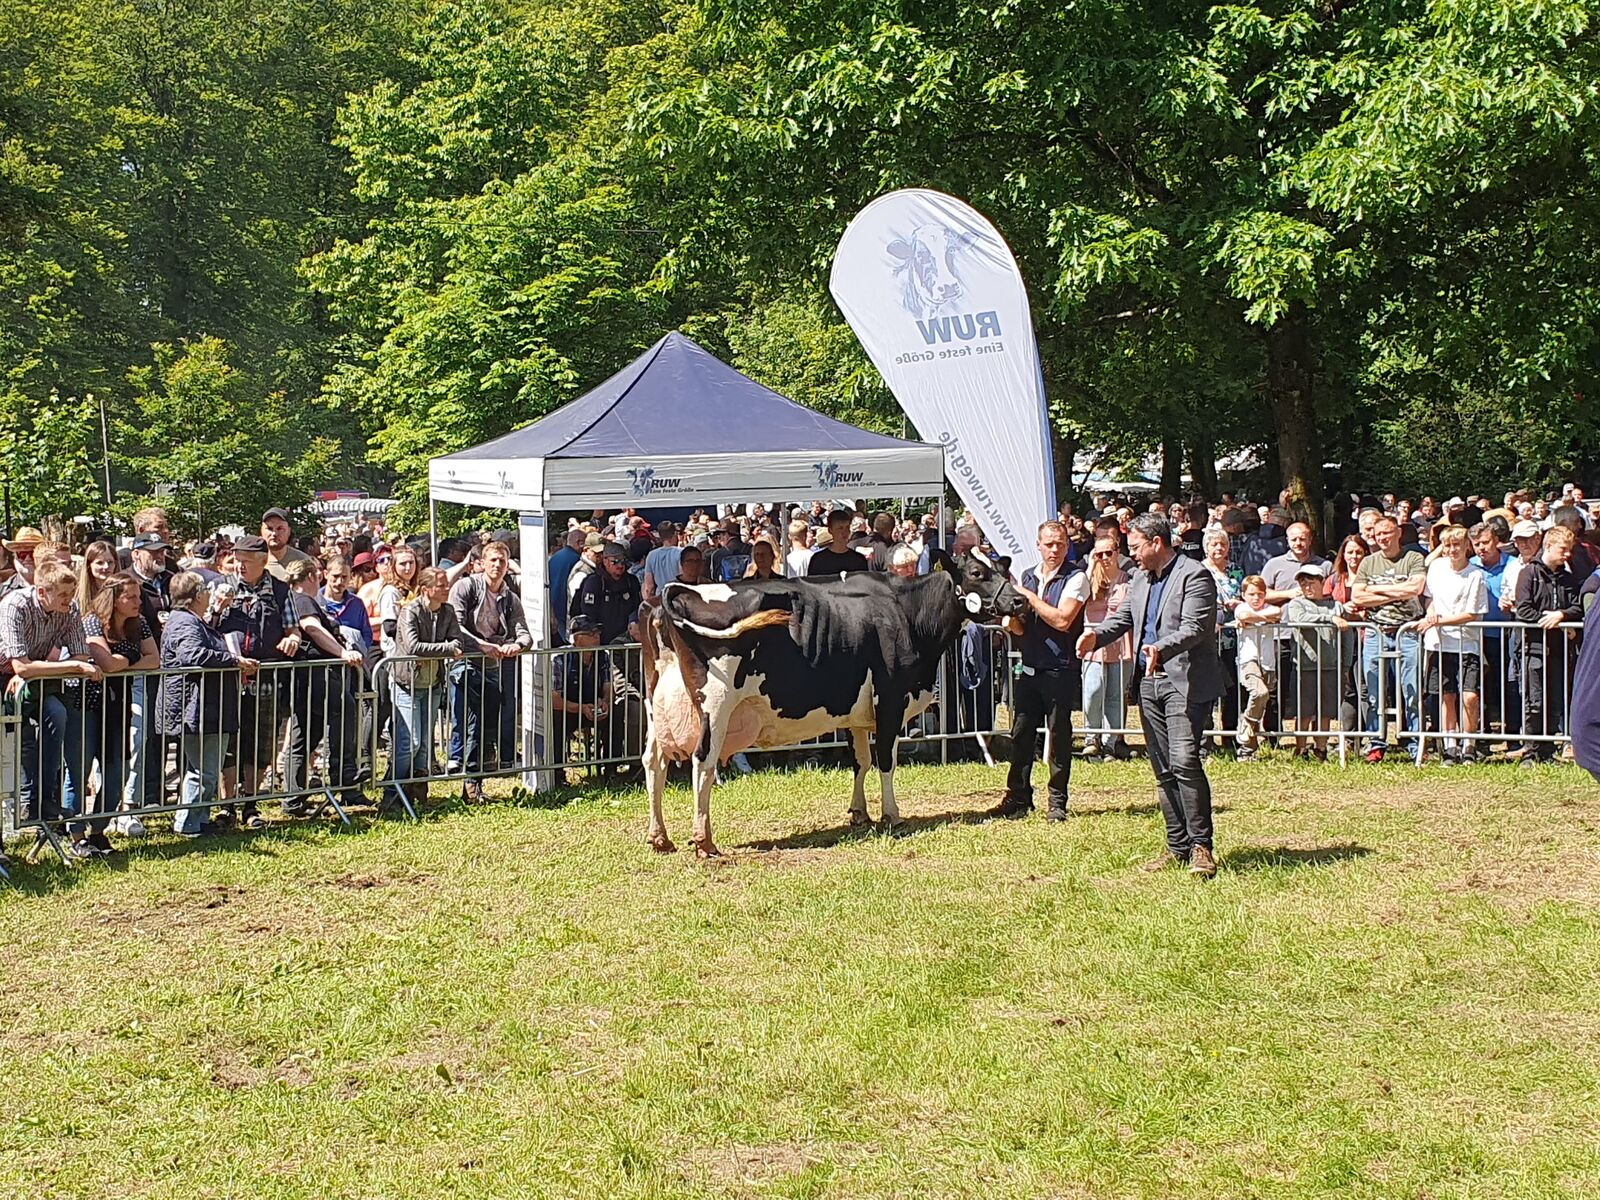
(676, 426)
(679, 426)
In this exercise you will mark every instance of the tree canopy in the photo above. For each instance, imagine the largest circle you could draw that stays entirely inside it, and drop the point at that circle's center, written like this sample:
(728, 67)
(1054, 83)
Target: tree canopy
(332, 240)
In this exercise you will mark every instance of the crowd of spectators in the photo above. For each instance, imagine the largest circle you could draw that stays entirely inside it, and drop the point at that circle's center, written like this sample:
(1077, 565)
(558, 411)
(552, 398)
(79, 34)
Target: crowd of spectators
(268, 645)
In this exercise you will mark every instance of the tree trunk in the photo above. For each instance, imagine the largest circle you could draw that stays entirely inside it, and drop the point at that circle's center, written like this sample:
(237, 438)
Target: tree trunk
(1063, 449)
(1203, 466)
(1294, 415)
(1171, 466)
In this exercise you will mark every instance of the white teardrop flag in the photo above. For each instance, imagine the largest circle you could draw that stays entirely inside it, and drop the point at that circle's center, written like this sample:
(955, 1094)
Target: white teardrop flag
(935, 297)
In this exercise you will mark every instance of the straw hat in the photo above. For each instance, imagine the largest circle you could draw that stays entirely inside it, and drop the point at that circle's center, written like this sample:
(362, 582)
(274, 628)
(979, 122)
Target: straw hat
(26, 536)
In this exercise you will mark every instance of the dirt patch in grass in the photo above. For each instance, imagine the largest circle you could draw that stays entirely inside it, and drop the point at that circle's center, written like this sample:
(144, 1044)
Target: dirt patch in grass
(358, 881)
(1522, 880)
(232, 1073)
(445, 1055)
(738, 1167)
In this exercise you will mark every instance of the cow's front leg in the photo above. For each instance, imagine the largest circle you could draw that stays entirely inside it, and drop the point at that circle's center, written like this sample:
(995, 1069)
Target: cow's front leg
(861, 742)
(655, 776)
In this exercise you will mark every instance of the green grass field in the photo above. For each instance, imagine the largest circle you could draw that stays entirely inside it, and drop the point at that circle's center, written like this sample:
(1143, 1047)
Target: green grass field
(1392, 989)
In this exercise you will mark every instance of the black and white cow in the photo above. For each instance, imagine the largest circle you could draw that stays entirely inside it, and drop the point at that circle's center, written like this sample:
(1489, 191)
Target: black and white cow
(775, 662)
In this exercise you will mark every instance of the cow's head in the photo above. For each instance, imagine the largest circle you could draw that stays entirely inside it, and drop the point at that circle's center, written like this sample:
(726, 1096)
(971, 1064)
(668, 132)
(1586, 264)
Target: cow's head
(983, 584)
(928, 261)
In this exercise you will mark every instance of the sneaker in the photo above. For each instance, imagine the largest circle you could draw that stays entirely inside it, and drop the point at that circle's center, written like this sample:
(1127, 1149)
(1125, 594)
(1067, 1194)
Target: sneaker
(222, 818)
(743, 763)
(129, 826)
(254, 820)
(81, 848)
(453, 767)
(1010, 808)
(296, 808)
(101, 843)
(1057, 809)
(1375, 755)
(1201, 862)
(1121, 751)
(472, 791)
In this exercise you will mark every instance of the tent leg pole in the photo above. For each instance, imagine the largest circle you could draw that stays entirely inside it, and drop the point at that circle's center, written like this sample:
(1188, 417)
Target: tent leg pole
(433, 532)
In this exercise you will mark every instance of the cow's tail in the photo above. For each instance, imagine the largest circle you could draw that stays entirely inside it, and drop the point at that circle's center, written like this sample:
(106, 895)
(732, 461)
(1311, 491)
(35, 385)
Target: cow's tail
(765, 619)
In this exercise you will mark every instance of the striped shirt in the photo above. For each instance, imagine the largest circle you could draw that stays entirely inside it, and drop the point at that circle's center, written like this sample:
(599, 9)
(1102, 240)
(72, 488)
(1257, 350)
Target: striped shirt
(28, 632)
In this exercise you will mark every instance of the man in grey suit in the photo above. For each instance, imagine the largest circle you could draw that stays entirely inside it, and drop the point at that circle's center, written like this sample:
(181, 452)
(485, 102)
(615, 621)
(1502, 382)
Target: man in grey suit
(1171, 611)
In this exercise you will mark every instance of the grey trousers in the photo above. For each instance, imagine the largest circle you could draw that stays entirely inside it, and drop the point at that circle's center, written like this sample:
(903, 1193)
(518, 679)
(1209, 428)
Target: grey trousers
(1173, 727)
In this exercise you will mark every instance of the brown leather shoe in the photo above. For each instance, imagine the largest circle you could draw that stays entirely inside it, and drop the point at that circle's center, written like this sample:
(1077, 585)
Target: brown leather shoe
(1201, 862)
(1162, 861)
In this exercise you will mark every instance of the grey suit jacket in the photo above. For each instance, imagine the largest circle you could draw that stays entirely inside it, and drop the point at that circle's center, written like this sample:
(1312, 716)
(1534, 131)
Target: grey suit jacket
(1186, 628)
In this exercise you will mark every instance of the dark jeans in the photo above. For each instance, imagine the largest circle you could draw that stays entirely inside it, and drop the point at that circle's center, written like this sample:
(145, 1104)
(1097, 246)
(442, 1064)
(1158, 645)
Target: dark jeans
(1546, 684)
(1173, 728)
(1045, 696)
(1502, 699)
(1228, 656)
(52, 746)
(483, 704)
(322, 704)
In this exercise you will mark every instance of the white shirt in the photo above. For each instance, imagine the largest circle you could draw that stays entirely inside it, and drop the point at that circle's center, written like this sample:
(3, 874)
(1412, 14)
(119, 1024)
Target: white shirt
(1259, 642)
(798, 560)
(1453, 593)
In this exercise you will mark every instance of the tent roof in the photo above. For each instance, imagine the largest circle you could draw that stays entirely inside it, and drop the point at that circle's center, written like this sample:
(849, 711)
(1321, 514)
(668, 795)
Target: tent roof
(676, 398)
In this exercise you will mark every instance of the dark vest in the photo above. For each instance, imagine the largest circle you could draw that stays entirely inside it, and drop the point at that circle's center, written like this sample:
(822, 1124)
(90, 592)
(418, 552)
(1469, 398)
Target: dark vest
(1045, 648)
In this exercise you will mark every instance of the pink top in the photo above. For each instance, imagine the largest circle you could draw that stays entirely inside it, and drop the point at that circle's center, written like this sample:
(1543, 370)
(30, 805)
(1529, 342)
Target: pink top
(1096, 611)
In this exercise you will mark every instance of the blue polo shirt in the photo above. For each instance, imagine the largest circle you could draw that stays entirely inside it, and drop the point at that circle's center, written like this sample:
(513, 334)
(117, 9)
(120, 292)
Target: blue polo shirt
(1495, 578)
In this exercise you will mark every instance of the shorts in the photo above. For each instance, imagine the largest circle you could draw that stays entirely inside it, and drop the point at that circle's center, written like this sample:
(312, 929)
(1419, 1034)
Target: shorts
(1450, 673)
(1317, 692)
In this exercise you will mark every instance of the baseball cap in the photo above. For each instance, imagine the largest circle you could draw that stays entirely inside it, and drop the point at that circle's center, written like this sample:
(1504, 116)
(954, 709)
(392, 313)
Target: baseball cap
(149, 541)
(582, 624)
(1313, 570)
(615, 550)
(250, 544)
(1525, 529)
(593, 542)
(364, 559)
(281, 513)
(204, 551)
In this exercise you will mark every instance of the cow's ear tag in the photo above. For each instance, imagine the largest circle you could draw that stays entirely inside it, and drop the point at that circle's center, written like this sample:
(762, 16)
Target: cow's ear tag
(973, 602)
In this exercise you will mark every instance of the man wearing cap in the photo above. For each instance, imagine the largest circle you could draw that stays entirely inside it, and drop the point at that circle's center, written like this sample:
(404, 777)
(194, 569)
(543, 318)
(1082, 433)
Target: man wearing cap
(588, 563)
(836, 558)
(1282, 576)
(256, 624)
(1388, 587)
(281, 549)
(583, 691)
(610, 596)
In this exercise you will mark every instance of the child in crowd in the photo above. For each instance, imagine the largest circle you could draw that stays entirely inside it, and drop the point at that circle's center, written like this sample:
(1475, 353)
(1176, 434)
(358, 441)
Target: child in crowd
(1319, 652)
(1258, 659)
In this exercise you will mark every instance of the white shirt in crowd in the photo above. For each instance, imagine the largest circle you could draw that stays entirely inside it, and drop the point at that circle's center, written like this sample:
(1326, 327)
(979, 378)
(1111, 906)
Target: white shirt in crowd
(797, 560)
(1453, 593)
(1258, 643)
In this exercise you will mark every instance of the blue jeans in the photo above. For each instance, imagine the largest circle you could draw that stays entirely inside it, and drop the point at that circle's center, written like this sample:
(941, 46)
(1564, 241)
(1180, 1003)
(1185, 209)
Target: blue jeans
(52, 746)
(105, 740)
(412, 755)
(483, 708)
(1375, 642)
(202, 764)
(1104, 697)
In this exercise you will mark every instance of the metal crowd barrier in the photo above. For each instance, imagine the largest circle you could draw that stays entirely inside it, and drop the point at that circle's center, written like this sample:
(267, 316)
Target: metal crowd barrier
(323, 737)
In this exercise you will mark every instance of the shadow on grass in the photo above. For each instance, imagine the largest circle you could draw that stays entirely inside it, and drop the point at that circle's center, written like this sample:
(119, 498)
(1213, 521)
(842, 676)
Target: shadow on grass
(1259, 858)
(833, 835)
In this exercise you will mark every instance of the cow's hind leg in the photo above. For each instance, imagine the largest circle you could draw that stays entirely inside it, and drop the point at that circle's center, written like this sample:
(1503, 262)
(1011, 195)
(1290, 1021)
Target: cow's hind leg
(861, 743)
(655, 775)
(714, 732)
(890, 718)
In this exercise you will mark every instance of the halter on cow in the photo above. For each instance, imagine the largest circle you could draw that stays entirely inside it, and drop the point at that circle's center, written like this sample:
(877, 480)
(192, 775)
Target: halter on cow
(776, 662)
